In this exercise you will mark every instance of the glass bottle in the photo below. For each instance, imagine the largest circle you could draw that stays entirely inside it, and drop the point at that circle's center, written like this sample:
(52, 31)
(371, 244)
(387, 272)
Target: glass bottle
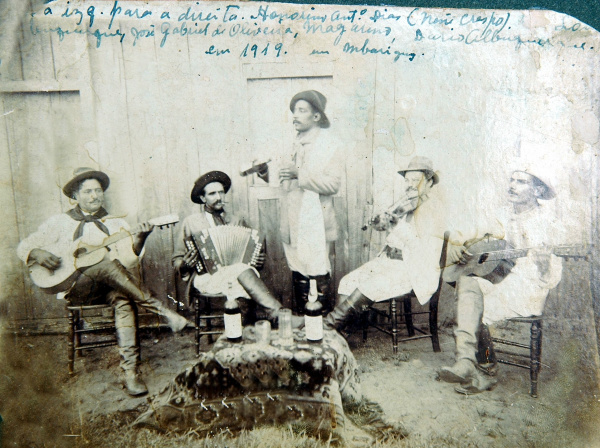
(233, 319)
(313, 315)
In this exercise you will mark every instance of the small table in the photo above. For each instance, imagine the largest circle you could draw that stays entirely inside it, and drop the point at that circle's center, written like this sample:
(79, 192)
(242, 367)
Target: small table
(237, 386)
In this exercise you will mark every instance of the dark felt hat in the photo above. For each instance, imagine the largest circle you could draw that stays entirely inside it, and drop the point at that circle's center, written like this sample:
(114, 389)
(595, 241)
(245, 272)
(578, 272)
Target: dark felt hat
(205, 179)
(423, 164)
(317, 101)
(83, 173)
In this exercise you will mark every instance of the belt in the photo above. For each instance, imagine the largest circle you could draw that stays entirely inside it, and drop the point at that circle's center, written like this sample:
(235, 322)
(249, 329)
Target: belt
(393, 254)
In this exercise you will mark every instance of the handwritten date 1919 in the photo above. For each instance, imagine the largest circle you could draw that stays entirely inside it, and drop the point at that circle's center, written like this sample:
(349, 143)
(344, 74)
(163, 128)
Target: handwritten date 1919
(252, 50)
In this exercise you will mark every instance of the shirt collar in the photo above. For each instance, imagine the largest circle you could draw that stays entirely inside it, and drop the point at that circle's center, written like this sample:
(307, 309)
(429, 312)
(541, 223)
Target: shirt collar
(309, 136)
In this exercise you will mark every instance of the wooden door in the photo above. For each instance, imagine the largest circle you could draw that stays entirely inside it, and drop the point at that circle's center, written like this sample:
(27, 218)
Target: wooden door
(270, 125)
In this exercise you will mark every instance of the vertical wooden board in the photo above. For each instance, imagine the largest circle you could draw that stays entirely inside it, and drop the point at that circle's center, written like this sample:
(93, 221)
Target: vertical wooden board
(12, 286)
(112, 136)
(359, 93)
(179, 95)
(209, 80)
(149, 160)
(70, 57)
(34, 160)
(36, 54)
(218, 129)
(179, 139)
(11, 38)
(276, 274)
(340, 262)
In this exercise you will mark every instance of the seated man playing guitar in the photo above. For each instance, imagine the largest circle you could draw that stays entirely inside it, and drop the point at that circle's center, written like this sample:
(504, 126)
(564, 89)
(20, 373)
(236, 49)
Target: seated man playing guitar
(114, 276)
(521, 288)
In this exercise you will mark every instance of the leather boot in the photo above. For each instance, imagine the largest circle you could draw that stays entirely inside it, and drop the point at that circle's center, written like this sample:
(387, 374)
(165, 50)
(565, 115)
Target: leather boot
(300, 289)
(341, 313)
(134, 385)
(469, 310)
(127, 339)
(462, 371)
(486, 356)
(259, 292)
(113, 274)
(325, 291)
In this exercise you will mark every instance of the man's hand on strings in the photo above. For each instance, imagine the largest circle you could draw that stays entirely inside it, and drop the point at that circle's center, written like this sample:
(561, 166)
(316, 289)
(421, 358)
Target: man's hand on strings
(541, 258)
(45, 259)
(139, 239)
(457, 254)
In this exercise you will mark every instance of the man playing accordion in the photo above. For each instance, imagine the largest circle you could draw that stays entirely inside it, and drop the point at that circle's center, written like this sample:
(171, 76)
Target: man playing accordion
(236, 280)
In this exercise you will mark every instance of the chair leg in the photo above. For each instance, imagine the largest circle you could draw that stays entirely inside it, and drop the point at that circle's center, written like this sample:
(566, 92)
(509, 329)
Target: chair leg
(433, 324)
(394, 313)
(536, 356)
(408, 316)
(197, 310)
(209, 321)
(364, 322)
(71, 343)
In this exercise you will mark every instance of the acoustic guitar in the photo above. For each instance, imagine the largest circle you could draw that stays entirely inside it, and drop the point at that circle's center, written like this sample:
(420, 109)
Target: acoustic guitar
(493, 259)
(77, 254)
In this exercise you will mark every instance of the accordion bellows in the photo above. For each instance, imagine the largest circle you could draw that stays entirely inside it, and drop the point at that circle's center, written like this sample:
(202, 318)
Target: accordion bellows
(224, 246)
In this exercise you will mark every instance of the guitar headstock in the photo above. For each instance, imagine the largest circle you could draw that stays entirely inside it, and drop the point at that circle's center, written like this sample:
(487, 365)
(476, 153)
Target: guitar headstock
(164, 221)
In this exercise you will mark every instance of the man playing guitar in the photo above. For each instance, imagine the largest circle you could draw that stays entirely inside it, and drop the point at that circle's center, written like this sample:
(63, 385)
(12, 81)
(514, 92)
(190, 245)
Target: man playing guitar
(522, 292)
(114, 278)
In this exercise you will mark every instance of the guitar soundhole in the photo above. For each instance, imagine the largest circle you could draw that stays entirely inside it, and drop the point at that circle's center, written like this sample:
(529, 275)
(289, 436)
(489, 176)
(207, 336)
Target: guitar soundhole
(79, 252)
(483, 258)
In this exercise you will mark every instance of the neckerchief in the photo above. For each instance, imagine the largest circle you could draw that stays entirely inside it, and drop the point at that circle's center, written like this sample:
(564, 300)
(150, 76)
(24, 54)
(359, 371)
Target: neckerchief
(217, 216)
(78, 215)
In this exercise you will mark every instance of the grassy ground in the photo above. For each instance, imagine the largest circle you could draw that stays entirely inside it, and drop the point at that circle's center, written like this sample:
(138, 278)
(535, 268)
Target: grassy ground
(42, 407)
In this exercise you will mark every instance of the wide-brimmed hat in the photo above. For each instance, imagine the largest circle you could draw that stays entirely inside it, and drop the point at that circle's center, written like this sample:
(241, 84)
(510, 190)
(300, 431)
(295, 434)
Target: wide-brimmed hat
(317, 101)
(548, 191)
(83, 173)
(207, 178)
(423, 164)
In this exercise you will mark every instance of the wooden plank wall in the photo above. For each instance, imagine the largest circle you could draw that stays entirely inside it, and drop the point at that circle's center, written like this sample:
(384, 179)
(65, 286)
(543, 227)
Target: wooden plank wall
(154, 121)
(156, 118)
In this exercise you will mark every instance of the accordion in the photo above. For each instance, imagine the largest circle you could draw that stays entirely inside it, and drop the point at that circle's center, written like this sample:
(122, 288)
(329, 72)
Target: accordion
(225, 245)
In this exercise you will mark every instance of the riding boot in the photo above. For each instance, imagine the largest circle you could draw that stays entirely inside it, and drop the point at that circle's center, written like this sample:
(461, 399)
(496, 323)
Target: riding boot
(300, 287)
(127, 339)
(325, 292)
(469, 311)
(113, 274)
(486, 356)
(259, 292)
(342, 313)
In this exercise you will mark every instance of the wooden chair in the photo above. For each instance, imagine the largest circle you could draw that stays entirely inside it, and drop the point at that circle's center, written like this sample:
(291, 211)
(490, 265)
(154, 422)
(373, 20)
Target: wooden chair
(534, 354)
(85, 320)
(406, 317)
(207, 315)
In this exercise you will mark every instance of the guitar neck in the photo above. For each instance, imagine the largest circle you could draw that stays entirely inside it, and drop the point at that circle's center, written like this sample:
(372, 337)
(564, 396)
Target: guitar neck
(111, 239)
(508, 254)
(163, 221)
(505, 254)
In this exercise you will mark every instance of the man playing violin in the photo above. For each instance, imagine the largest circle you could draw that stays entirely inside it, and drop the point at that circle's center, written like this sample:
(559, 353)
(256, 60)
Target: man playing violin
(410, 259)
(520, 293)
(115, 278)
